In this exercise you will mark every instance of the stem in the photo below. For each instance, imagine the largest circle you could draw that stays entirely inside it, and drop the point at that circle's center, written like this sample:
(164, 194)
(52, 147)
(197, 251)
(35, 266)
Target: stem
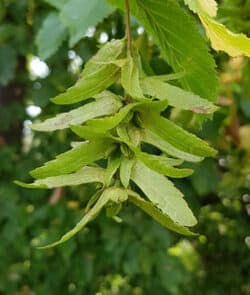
(129, 42)
(128, 30)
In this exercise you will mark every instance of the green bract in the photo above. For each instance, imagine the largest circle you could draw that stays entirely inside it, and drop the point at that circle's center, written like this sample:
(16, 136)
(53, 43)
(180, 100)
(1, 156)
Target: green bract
(114, 129)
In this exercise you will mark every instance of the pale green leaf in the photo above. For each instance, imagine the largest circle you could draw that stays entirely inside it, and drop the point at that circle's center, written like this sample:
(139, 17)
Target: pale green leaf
(126, 170)
(157, 141)
(161, 165)
(79, 15)
(92, 213)
(223, 39)
(95, 77)
(106, 105)
(50, 36)
(176, 96)
(84, 175)
(107, 123)
(208, 7)
(161, 192)
(157, 214)
(176, 136)
(130, 78)
(169, 77)
(75, 159)
(114, 162)
(89, 133)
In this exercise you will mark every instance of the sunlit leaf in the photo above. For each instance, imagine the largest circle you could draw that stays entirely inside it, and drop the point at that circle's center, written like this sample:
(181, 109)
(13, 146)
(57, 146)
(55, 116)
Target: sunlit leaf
(208, 7)
(223, 39)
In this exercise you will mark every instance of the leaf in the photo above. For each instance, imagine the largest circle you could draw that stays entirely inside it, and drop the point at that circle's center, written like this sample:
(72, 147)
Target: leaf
(181, 44)
(169, 77)
(126, 170)
(176, 96)
(160, 164)
(92, 213)
(130, 78)
(95, 78)
(157, 214)
(157, 141)
(107, 123)
(89, 133)
(79, 15)
(50, 36)
(114, 162)
(84, 175)
(75, 159)
(208, 7)
(163, 194)
(223, 39)
(176, 136)
(106, 104)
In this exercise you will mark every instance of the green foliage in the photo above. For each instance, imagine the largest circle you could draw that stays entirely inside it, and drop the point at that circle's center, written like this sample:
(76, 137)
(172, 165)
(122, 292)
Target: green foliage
(178, 44)
(122, 139)
(129, 254)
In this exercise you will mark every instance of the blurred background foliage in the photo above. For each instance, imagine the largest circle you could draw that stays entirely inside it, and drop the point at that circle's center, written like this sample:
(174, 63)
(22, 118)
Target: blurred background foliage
(137, 256)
